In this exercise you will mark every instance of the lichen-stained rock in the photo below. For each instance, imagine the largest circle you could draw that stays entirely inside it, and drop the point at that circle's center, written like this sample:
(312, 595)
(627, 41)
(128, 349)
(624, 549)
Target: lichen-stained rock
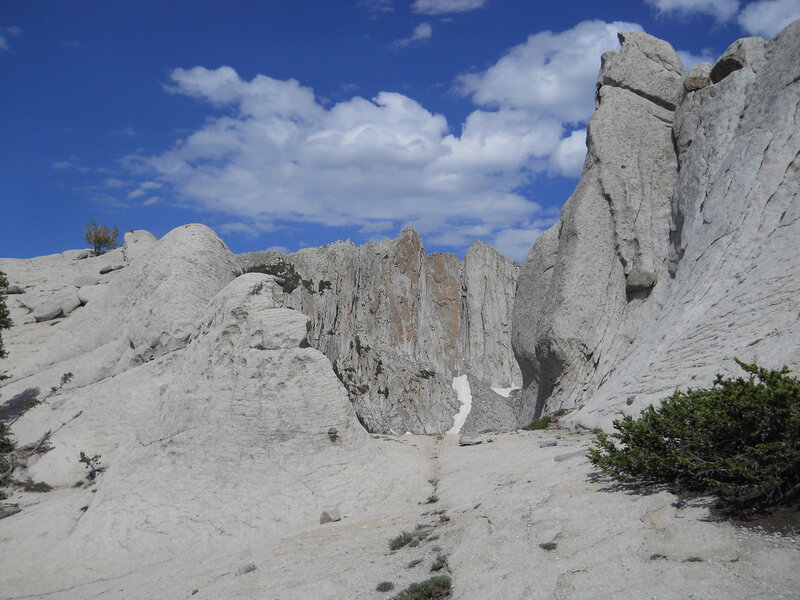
(702, 204)
(398, 324)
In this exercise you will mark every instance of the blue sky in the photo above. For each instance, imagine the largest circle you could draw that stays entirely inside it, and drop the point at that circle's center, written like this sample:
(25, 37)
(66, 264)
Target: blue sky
(292, 124)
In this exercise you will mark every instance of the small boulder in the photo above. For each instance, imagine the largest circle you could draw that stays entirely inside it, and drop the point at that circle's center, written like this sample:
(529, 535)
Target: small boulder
(330, 515)
(88, 293)
(639, 280)
(111, 268)
(13, 289)
(47, 312)
(248, 568)
(470, 439)
(567, 456)
(698, 78)
(84, 280)
(333, 434)
(548, 444)
(69, 303)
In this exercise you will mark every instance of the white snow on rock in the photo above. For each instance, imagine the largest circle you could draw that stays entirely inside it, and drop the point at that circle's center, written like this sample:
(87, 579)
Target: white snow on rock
(461, 386)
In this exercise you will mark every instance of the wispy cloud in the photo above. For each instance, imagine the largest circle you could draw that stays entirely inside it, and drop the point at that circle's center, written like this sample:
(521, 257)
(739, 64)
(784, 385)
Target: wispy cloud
(5, 34)
(439, 7)
(722, 10)
(421, 32)
(377, 7)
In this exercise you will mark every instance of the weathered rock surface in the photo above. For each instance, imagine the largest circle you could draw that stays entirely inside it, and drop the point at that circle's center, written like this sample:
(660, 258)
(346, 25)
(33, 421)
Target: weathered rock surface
(678, 249)
(398, 324)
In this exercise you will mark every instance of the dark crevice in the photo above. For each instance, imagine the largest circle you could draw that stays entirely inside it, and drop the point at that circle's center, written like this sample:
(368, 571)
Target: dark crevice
(654, 99)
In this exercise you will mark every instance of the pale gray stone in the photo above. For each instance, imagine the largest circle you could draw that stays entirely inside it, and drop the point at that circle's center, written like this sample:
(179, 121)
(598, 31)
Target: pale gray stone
(47, 312)
(699, 77)
(69, 303)
(84, 280)
(470, 439)
(330, 515)
(639, 280)
(569, 455)
(13, 289)
(110, 268)
(548, 444)
(137, 243)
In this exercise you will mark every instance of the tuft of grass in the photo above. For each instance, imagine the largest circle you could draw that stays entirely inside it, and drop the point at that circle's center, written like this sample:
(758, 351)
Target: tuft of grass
(435, 588)
(404, 539)
(413, 563)
(432, 500)
(385, 586)
(540, 423)
(548, 546)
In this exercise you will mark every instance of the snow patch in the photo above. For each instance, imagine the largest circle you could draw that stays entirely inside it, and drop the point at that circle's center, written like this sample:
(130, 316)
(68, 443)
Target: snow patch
(504, 392)
(461, 386)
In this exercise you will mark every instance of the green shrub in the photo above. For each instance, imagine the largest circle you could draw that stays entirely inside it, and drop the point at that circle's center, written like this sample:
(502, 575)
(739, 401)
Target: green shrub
(404, 539)
(38, 486)
(5, 319)
(541, 423)
(413, 563)
(434, 588)
(282, 269)
(385, 586)
(738, 439)
(440, 563)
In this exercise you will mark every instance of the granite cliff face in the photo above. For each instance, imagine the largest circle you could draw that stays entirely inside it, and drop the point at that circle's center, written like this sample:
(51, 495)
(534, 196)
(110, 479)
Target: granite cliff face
(398, 324)
(678, 249)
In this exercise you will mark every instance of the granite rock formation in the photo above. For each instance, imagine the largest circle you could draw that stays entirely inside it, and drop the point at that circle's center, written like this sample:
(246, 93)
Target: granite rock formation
(398, 324)
(678, 249)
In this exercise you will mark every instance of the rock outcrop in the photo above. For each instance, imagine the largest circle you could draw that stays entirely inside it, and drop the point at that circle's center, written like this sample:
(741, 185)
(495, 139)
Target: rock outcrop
(398, 324)
(678, 249)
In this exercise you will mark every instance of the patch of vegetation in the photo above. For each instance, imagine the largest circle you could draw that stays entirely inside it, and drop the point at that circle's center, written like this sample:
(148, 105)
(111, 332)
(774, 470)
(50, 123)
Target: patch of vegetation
(283, 270)
(439, 563)
(414, 563)
(5, 320)
(323, 285)
(100, 237)
(435, 588)
(404, 539)
(309, 285)
(385, 586)
(432, 500)
(737, 439)
(38, 486)
(92, 463)
(427, 373)
(540, 423)
(549, 546)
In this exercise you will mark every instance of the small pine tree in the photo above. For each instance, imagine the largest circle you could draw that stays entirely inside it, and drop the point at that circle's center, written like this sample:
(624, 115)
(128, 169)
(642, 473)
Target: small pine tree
(100, 237)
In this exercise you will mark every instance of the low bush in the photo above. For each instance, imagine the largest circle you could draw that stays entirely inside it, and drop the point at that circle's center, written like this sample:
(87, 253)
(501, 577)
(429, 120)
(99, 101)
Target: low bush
(737, 439)
(404, 539)
(434, 588)
(385, 586)
(540, 423)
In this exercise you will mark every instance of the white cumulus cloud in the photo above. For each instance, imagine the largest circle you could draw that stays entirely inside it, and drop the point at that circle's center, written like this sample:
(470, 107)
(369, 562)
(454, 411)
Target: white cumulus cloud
(275, 155)
(768, 17)
(439, 7)
(722, 10)
(551, 73)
